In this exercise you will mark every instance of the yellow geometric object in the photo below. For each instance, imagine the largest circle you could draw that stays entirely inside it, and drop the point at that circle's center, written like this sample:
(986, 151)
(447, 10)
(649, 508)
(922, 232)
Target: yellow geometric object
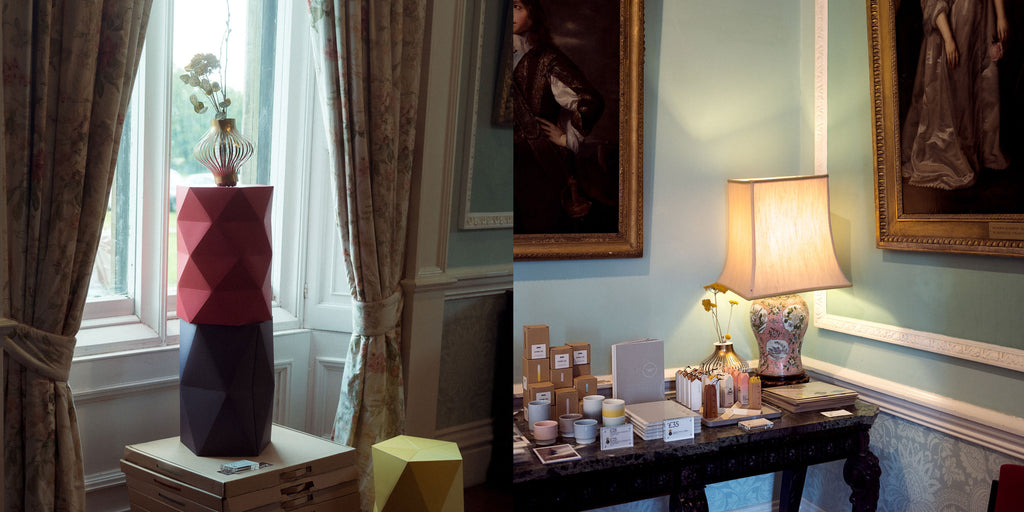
(413, 474)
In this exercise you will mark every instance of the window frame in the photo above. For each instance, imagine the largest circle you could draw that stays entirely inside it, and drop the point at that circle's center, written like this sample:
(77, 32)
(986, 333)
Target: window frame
(148, 317)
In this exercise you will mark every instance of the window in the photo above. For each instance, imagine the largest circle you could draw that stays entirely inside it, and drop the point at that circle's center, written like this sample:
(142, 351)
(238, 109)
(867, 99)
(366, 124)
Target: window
(270, 82)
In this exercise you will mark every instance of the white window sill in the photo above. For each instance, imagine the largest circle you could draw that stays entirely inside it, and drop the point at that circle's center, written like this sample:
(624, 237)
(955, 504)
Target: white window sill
(128, 333)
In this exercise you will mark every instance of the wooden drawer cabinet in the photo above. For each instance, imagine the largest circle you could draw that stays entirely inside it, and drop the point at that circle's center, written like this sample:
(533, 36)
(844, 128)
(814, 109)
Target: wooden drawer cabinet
(300, 473)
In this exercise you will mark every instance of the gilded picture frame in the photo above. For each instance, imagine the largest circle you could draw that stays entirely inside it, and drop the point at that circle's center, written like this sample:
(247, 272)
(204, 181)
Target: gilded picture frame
(985, 217)
(622, 235)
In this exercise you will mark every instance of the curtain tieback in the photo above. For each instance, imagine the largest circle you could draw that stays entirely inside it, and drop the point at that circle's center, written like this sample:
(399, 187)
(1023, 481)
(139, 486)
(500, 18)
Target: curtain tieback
(45, 353)
(378, 317)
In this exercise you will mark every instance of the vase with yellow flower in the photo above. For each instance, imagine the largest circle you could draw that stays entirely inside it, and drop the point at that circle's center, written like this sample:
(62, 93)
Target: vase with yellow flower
(223, 149)
(724, 355)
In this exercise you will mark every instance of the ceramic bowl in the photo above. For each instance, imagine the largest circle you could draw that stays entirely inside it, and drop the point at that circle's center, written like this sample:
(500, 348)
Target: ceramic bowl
(545, 432)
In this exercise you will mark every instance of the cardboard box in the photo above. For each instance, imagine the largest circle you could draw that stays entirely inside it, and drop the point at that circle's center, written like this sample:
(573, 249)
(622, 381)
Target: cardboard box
(535, 370)
(562, 378)
(580, 370)
(535, 341)
(560, 357)
(585, 385)
(567, 401)
(580, 353)
(539, 391)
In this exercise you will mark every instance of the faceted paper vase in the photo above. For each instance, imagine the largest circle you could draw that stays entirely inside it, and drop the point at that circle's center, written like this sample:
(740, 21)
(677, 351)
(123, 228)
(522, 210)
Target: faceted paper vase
(224, 255)
(226, 341)
(227, 388)
(415, 474)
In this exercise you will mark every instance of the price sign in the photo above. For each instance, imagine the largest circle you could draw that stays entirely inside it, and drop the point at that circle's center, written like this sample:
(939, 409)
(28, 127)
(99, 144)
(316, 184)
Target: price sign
(620, 436)
(678, 429)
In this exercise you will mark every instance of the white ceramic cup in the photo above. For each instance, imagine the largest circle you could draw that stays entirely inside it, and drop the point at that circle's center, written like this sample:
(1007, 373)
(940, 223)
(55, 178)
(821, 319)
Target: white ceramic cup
(545, 432)
(565, 424)
(538, 410)
(592, 407)
(586, 431)
(613, 412)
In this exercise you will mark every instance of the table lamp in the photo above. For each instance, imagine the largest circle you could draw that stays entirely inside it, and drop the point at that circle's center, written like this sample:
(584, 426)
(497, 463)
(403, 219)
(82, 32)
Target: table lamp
(780, 244)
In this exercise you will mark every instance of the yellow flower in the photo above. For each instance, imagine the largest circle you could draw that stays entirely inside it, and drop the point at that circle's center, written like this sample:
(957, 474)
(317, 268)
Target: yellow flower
(716, 287)
(707, 304)
(728, 336)
(733, 302)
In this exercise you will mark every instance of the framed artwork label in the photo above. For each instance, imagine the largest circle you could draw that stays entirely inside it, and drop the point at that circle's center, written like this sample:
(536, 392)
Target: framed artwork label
(1006, 231)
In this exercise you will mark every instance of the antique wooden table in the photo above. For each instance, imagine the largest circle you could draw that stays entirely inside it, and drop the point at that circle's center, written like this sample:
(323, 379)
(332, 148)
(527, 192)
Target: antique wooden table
(681, 469)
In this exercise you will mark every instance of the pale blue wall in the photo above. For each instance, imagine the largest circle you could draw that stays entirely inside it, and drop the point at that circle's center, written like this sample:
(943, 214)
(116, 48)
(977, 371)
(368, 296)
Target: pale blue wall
(975, 297)
(723, 98)
(492, 152)
(728, 95)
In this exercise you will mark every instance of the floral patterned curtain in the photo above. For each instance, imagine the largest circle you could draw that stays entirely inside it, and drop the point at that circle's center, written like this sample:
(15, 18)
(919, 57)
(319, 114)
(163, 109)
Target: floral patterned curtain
(368, 58)
(68, 70)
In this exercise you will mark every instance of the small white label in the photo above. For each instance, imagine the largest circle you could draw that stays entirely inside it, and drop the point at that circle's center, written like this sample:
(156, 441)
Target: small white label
(678, 429)
(837, 413)
(620, 436)
(562, 361)
(546, 395)
(538, 351)
(579, 357)
(525, 382)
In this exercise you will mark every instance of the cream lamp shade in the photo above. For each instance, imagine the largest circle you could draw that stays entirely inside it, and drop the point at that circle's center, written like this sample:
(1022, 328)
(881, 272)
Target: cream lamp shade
(780, 237)
(780, 244)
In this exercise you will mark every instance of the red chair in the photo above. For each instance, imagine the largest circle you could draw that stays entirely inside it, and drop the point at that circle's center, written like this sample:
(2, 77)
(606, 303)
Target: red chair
(1007, 492)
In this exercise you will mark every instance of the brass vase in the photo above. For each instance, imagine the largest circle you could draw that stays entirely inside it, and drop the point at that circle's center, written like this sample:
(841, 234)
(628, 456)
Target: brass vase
(723, 357)
(223, 151)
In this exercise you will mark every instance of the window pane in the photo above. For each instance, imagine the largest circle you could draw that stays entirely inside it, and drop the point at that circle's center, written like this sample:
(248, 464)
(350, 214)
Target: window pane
(110, 271)
(245, 74)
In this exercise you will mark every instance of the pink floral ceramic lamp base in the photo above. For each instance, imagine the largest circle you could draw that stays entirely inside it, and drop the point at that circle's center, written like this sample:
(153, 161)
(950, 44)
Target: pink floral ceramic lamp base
(779, 324)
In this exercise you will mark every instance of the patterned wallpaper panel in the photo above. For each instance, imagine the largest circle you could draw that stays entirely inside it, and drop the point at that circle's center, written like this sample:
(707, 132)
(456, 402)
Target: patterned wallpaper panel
(922, 470)
(468, 341)
(723, 496)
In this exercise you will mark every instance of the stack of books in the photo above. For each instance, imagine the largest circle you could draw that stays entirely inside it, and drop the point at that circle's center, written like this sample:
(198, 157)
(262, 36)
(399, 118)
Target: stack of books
(648, 418)
(812, 396)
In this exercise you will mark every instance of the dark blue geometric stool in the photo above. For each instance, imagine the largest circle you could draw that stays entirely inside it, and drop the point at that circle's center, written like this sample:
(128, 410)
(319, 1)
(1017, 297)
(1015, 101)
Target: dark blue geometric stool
(226, 388)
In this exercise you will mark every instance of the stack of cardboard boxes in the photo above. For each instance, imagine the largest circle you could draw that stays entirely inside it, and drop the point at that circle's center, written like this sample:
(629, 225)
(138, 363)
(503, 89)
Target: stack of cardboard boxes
(560, 375)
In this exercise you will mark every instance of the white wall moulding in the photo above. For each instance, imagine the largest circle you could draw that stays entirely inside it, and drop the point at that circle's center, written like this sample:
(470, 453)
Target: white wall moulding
(994, 430)
(821, 87)
(471, 219)
(327, 381)
(474, 440)
(121, 390)
(985, 353)
(282, 384)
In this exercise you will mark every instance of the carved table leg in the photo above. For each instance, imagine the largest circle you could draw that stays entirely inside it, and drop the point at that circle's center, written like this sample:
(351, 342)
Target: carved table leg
(862, 473)
(792, 489)
(689, 499)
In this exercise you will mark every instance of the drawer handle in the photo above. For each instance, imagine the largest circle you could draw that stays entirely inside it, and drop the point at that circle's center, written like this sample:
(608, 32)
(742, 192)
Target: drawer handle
(297, 488)
(170, 499)
(175, 488)
(292, 475)
(302, 500)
